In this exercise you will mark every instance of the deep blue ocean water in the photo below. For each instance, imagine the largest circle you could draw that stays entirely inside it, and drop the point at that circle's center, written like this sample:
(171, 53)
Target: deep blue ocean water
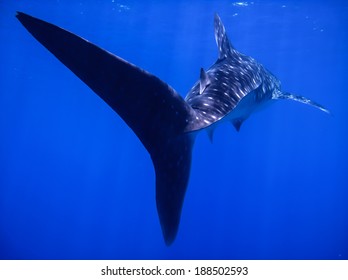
(76, 183)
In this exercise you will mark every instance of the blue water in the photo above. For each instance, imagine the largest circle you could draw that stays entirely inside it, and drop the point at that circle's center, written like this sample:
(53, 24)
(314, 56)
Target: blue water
(76, 183)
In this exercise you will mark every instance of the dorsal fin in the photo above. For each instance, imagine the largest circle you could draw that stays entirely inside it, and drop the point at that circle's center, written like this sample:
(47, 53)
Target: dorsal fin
(224, 46)
(204, 81)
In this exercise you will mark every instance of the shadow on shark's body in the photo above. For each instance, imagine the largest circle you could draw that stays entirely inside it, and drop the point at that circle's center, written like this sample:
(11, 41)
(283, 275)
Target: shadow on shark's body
(231, 89)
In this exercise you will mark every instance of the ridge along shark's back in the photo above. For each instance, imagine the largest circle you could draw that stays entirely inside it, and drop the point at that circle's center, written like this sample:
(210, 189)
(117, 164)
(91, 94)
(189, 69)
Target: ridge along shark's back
(234, 86)
(164, 122)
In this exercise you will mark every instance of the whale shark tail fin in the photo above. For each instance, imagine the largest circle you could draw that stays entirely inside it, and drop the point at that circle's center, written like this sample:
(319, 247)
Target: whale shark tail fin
(152, 109)
(172, 163)
(299, 98)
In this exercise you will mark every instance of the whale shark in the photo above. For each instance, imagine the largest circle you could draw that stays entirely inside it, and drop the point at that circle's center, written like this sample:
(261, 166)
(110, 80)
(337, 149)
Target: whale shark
(230, 90)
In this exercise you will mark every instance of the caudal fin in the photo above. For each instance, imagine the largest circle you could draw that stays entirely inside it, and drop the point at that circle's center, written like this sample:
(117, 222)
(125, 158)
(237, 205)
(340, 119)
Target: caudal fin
(152, 109)
(172, 162)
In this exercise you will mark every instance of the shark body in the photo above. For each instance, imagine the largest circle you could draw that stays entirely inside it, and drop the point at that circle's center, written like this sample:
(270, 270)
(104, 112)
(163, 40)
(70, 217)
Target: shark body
(166, 124)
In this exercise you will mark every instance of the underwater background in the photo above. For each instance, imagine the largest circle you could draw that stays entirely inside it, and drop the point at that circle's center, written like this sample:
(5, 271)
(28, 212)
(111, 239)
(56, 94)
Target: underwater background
(76, 182)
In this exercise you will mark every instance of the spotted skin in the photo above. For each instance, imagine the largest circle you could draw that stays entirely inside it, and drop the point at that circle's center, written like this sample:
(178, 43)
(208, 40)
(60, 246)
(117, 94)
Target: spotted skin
(234, 78)
(231, 89)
